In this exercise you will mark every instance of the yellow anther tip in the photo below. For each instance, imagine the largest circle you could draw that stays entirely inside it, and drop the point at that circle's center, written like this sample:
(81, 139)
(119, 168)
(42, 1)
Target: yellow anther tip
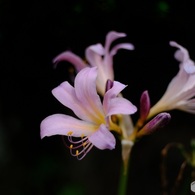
(70, 133)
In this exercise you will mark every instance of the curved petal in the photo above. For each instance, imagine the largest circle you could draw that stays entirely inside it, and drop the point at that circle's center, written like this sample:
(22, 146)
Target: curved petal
(85, 89)
(65, 94)
(108, 57)
(117, 105)
(112, 36)
(120, 106)
(103, 138)
(182, 54)
(94, 54)
(112, 93)
(121, 46)
(176, 85)
(115, 90)
(72, 58)
(59, 124)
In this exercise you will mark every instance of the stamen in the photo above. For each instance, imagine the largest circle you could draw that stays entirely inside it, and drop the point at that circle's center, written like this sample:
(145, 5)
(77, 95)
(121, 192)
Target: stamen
(78, 148)
(69, 133)
(76, 142)
(82, 153)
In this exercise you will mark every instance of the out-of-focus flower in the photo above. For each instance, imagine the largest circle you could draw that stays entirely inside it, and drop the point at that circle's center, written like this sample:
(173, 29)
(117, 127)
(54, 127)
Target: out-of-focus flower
(97, 55)
(95, 121)
(181, 90)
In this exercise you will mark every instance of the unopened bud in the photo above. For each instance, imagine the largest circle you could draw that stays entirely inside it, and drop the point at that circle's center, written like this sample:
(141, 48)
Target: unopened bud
(144, 105)
(157, 122)
(109, 84)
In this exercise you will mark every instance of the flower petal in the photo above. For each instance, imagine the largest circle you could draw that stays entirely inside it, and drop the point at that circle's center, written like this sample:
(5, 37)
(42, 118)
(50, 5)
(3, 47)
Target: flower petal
(65, 94)
(85, 89)
(121, 46)
(72, 58)
(120, 106)
(182, 55)
(114, 91)
(112, 36)
(189, 67)
(94, 54)
(59, 124)
(117, 105)
(188, 106)
(103, 138)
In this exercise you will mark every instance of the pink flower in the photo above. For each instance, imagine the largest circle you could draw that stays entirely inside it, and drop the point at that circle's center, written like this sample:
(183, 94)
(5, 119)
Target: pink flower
(94, 123)
(99, 56)
(181, 90)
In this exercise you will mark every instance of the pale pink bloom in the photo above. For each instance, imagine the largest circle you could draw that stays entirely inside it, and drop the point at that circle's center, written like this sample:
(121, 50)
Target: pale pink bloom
(97, 55)
(94, 123)
(181, 90)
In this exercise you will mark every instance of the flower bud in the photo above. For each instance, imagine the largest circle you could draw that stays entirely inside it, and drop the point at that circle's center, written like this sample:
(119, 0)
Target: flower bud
(157, 122)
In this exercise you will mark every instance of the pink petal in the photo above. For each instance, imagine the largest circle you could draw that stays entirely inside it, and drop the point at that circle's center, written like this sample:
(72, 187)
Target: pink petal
(188, 106)
(121, 46)
(115, 90)
(112, 36)
(189, 67)
(117, 105)
(181, 54)
(103, 138)
(65, 94)
(120, 106)
(112, 93)
(94, 54)
(72, 58)
(85, 88)
(59, 124)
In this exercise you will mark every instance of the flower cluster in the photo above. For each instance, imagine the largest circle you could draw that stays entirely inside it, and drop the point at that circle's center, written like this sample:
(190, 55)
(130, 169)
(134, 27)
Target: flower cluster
(100, 108)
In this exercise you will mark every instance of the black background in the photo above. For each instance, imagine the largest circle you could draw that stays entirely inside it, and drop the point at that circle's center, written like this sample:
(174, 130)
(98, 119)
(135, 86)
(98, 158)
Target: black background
(32, 33)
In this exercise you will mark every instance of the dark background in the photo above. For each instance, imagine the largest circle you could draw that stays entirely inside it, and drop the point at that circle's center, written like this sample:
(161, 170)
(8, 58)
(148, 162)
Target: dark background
(32, 33)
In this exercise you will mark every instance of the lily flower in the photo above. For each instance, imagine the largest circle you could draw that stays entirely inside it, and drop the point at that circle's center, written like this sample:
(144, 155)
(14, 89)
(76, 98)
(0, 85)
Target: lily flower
(98, 56)
(93, 121)
(181, 90)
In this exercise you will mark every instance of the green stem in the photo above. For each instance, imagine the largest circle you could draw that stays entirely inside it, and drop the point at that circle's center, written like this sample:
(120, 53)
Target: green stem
(122, 190)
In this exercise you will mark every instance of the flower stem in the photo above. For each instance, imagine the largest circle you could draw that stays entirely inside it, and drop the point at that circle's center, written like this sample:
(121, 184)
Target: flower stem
(122, 190)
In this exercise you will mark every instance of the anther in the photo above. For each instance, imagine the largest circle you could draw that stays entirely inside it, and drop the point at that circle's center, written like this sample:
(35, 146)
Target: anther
(69, 133)
(71, 146)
